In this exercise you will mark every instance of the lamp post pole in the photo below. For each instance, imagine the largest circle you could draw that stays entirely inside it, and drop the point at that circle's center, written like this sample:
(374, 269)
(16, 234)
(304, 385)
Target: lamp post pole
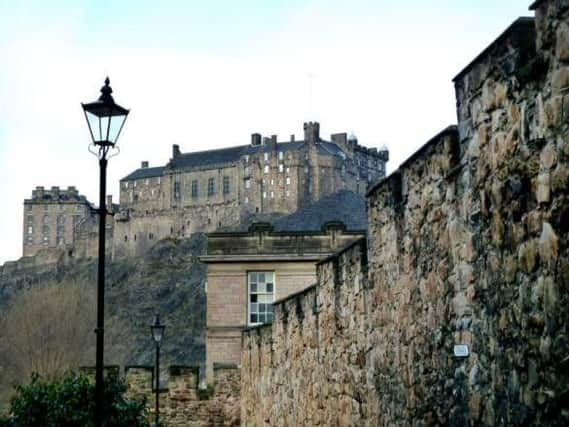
(105, 119)
(157, 384)
(100, 331)
(157, 330)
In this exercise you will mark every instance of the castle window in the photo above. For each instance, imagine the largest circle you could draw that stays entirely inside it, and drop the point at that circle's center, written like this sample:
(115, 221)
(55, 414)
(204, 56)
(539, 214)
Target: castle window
(281, 155)
(272, 181)
(30, 229)
(176, 191)
(247, 183)
(287, 193)
(272, 194)
(125, 185)
(60, 241)
(281, 167)
(46, 219)
(266, 169)
(264, 194)
(45, 240)
(287, 170)
(60, 219)
(194, 189)
(126, 238)
(226, 185)
(30, 239)
(246, 199)
(266, 156)
(147, 182)
(246, 171)
(287, 180)
(260, 288)
(246, 157)
(134, 184)
(135, 198)
(211, 186)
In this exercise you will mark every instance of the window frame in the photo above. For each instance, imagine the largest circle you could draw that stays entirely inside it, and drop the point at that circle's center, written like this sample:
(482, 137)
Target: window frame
(268, 313)
(210, 187)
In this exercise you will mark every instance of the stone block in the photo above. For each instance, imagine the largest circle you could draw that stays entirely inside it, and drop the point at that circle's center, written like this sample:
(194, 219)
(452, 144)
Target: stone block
(548, 156)
(560, 80)
(528, 256)
(543, 192)
(548, 244)
(562, 42)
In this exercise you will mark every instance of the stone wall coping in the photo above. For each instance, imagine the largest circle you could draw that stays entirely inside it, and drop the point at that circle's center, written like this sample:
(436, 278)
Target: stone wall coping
(522, 23)
(449, 130)
(321, 232)
(263, 258)
(295, 295)
(339, 252)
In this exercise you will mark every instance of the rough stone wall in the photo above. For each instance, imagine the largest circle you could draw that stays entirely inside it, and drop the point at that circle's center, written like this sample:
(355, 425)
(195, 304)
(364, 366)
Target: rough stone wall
(182, 403)
(468, 245)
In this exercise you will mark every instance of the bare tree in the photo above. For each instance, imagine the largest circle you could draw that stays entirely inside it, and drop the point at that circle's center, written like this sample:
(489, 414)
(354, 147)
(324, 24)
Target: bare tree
(48, 329)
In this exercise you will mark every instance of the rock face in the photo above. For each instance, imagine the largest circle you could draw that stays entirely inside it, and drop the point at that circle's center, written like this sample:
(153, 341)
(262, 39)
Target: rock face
(467, 245)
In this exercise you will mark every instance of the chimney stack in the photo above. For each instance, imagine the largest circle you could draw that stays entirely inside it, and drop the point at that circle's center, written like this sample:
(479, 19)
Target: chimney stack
(312, 132)
(144, 164)
(176, 151)
(256, 139)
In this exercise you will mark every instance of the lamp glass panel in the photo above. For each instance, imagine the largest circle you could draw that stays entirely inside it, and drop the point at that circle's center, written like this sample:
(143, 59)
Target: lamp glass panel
(94, 123)
(157, 332)
(115, 127)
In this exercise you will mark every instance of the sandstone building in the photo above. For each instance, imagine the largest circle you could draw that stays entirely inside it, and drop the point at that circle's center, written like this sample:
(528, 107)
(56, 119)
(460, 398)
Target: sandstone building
(248, 271)
(208, 190)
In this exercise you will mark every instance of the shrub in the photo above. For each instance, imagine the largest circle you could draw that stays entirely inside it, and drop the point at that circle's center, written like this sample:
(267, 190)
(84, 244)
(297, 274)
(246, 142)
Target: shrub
(69, 401)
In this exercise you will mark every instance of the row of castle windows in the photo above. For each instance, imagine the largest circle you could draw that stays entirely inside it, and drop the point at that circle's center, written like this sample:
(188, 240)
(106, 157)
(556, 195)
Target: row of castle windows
(248, 182)
(226, 188)
(265, 157)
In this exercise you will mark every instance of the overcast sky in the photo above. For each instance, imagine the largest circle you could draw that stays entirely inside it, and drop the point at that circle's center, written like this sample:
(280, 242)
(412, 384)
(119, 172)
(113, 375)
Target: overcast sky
(207, 74)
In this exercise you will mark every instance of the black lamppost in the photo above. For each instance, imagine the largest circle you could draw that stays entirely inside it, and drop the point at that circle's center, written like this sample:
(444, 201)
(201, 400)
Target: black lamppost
(157, 333)
(105, 119)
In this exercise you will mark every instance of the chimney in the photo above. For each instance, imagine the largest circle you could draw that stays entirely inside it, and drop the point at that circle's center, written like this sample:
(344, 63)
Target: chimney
(292, 138)
(176, 151)
(312, 131)
(341, 140)
(272, 142)
(256, 139)
(144, 164)
(55, 192)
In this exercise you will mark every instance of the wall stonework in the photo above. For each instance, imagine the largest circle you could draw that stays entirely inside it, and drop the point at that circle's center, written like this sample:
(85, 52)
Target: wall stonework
(182, 403)
(467, 245)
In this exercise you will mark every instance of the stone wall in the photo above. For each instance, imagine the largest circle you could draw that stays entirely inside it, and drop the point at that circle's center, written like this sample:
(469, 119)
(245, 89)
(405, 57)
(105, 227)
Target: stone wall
(467, 246)
(182, 403)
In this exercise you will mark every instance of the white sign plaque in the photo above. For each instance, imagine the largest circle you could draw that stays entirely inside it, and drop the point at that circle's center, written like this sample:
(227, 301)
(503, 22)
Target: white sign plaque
(461, 350)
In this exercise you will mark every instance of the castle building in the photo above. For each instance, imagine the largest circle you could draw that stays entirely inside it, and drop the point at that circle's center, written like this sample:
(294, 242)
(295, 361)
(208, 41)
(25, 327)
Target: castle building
(52, 219)
(208, 190)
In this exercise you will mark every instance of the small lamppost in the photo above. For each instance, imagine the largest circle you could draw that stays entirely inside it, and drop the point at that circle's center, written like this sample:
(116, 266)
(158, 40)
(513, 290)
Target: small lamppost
(105, 119)
(157, 333)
